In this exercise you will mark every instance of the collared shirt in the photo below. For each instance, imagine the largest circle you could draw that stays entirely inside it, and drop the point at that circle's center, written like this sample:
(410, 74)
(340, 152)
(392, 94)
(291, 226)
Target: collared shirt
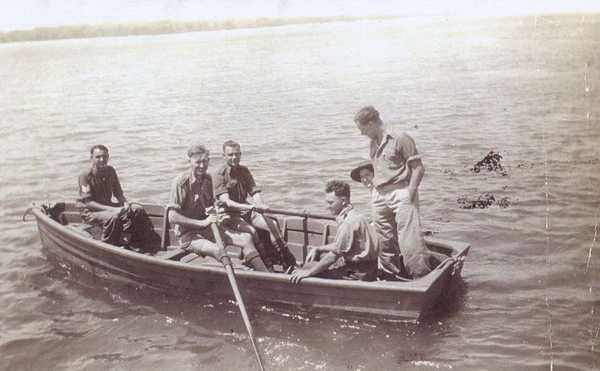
(236, 181)
(355, 240)
(391, 157)
(193, 196)
(99, 186)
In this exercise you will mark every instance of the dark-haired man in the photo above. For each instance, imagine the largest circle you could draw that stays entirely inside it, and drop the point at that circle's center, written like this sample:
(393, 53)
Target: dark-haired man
(235, 188)
(355, 241)
(398, 172)
(122, 223)
(192, 194)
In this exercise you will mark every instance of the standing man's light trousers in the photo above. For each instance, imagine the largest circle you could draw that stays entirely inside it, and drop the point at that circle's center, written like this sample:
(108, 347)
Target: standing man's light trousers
(397, 221)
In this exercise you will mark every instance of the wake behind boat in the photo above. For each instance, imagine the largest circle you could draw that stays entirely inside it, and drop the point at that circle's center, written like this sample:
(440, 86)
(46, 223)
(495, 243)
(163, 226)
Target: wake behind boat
(67, 239)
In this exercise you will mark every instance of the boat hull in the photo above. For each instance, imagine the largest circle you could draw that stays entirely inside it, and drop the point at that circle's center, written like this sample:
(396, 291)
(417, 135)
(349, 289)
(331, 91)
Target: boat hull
(401, 300)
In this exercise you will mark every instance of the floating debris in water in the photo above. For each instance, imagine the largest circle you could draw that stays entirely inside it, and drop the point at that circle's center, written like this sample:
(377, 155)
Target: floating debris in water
(491, 162)
(504, 202)
(483, 201)
(525, 165)
(450, 172)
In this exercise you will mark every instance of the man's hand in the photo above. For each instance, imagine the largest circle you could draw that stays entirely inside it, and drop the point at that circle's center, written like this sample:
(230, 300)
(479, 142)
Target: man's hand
(123, 209)
(211, 218)
(298, 275)
(222, 217)
(412, 193)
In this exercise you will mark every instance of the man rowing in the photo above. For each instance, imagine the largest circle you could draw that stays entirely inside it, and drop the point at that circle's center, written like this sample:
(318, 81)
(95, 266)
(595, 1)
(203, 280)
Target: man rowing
(192, 194)
(356, 242)
(398, 172)
(235, 188)
(123, 224)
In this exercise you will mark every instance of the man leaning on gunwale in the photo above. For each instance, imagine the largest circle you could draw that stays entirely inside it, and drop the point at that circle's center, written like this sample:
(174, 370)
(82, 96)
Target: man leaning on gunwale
(353, 253)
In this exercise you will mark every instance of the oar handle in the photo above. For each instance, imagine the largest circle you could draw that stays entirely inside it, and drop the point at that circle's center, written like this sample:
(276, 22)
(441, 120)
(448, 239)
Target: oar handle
(266, 210)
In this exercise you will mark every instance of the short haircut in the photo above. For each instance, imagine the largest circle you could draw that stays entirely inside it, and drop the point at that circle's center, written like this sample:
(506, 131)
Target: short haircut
(231, 143)
(101, 147)
(197, 149)
(366, 115)
(339, 188)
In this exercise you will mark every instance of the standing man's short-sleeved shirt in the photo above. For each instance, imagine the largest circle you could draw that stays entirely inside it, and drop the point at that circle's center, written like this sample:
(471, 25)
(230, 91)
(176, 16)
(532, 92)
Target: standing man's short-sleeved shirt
(193, 196)
(355, 240)
(99, 186)
(236, 181)
(390, 159)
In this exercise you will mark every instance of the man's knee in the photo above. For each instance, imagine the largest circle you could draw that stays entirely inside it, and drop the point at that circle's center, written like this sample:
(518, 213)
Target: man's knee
(202, 247)
(247, 239)
(250, 229)
(136, 209)
(249, 253)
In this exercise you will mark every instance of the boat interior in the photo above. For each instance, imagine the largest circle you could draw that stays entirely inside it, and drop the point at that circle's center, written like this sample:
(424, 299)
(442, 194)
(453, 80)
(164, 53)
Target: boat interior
(300, 233)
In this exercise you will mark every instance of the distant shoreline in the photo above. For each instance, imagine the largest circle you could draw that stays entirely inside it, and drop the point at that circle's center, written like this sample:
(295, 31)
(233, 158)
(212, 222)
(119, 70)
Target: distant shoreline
(162, 27)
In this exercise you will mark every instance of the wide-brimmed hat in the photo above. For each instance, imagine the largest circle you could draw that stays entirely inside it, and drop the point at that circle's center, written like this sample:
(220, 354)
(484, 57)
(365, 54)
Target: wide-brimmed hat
(355, 173)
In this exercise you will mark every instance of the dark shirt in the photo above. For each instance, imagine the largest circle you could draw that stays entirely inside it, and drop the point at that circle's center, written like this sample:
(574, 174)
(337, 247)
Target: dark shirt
(192, 196)
(235, 181)
(99, 186)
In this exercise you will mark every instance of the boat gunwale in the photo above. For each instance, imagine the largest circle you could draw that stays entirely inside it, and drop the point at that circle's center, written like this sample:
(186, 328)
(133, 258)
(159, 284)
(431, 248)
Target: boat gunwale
(420, 285)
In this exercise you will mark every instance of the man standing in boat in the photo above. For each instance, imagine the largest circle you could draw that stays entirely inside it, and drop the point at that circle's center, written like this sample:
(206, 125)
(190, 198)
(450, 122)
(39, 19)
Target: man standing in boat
(355, 241)
(235, 188)
(398, 172)
(123, 224)
(192, 194)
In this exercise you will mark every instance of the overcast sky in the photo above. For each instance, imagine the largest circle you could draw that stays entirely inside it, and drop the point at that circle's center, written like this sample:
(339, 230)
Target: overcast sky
(26, 14)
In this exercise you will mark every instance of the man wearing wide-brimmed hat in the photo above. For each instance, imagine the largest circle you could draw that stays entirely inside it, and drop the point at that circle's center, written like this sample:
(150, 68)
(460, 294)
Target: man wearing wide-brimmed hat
(363, 173)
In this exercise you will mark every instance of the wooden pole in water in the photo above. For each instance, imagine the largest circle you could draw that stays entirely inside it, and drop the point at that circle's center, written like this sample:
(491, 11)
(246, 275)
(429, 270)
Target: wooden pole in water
(226, 261)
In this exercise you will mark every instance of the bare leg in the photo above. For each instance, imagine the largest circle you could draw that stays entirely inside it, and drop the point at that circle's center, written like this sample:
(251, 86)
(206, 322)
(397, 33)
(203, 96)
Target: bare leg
(245, 240)
(239, 225)
(204, 247)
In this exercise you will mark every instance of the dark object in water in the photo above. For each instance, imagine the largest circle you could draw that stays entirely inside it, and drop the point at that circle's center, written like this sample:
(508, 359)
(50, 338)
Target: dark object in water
(483, 201)
(491, 162)
(504, 202)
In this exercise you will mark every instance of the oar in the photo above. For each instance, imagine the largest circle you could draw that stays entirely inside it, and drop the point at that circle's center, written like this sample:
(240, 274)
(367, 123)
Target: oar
(226, 261)
(263, 210)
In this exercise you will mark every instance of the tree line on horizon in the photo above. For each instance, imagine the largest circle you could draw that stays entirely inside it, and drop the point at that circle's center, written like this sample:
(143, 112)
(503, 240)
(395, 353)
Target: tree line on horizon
(160, 27)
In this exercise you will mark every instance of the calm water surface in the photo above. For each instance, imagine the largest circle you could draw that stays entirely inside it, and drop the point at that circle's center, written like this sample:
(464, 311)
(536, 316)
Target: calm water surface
(527, 88)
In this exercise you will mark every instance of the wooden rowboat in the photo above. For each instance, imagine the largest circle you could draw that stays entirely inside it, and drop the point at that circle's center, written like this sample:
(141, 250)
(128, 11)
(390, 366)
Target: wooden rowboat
(66, 239)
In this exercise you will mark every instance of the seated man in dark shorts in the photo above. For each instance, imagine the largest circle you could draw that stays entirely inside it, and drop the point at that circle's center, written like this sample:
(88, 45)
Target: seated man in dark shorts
(192, 195)
(123, 224)
(235, 187)
(355, 241)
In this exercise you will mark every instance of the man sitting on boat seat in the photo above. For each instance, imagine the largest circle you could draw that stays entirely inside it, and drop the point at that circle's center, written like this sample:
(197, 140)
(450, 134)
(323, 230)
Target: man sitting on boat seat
(235, 188)
(123, 224)
(192, 194)
(355, 241)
